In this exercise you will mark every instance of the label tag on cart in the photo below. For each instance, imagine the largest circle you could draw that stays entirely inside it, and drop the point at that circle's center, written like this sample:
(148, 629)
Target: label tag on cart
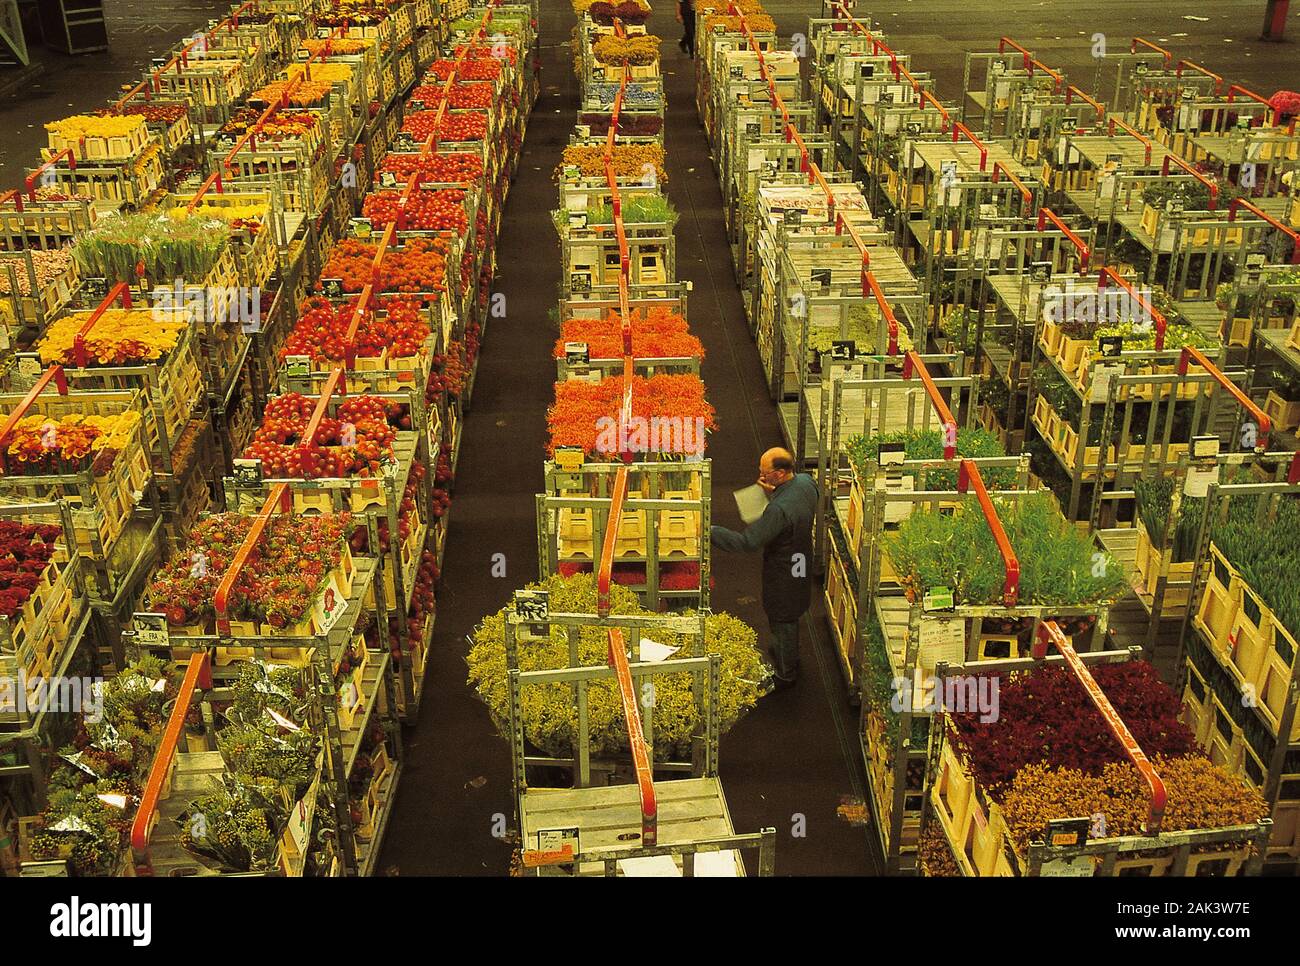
(569, 458)
(555, 846)
(150, 629)
(577, 353)
(938, 598)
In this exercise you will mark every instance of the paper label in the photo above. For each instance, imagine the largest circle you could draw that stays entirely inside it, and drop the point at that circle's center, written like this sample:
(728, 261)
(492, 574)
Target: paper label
(1197, 483)
(943, 639)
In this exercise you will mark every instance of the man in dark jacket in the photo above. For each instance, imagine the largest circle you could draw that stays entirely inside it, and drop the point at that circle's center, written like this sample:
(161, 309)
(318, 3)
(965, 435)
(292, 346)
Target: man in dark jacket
(686, 17)
(784, 533)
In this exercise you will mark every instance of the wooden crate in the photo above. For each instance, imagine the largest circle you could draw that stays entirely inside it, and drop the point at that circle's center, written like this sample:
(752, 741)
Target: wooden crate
(101, 502)
(1217, 608)
(123, 147)
(33, 641)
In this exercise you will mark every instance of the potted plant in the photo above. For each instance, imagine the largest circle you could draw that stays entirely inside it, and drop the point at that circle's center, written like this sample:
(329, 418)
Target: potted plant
(196, 730)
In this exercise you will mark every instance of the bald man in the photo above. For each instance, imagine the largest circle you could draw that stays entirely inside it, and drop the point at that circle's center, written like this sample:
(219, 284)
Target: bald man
(784, 534)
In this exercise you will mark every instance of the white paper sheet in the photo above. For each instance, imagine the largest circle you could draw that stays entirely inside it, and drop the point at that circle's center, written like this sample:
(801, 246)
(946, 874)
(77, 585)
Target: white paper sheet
(652, 866)
(751, 502)
(716, 865)
(654, 651)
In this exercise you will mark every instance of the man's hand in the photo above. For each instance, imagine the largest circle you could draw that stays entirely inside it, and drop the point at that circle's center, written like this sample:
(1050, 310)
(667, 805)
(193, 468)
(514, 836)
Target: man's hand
(679, 14)
(767, 487)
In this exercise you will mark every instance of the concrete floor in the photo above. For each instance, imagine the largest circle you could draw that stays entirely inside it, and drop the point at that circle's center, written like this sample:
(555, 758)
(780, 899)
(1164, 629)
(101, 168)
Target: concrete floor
(139, 30)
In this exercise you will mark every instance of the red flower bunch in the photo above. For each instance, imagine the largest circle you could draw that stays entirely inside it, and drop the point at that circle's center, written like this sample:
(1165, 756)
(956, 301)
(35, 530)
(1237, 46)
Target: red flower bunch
(586, 414)
(366, 420)
(475, 94)
(321, 330)
(455, 126)
(25, 552)
(457, 168)
(279, 581)
(656, 334)
(427, 209)
(1046, 716)
(1286, 104)
(419, 266)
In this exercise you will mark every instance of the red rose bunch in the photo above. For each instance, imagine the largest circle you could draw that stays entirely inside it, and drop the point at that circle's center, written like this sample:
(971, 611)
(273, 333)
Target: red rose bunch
(455, 126)
(25, 552)
(284, 453)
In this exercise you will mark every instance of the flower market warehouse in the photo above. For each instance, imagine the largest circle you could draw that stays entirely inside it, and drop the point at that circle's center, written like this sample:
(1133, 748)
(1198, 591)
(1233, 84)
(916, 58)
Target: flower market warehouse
(386, 383)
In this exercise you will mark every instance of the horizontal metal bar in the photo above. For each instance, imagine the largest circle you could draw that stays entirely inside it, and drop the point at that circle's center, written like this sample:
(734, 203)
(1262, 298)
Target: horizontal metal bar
(1010, 664)
(569, 675)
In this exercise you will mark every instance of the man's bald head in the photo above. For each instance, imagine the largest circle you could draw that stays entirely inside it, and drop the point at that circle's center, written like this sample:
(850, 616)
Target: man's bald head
(776, 465)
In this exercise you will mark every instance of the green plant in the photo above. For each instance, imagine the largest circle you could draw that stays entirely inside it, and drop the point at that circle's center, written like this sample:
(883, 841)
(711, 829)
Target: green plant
(168, 249)
(549, 711)
(639, 208)
(1154, 500)
(927, 444)
(1262, 545)
(1058, 564)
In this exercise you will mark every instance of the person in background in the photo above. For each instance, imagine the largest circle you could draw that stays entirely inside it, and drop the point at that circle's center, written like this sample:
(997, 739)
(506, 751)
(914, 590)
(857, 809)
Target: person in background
(686, 17)
(784, 534)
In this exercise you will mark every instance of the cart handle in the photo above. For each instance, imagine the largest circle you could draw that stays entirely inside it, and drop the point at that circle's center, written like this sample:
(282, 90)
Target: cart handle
(119, 291)
(1191, 354)
(1047, 214)
(1214, 188)
(358, 313)
(636, 738)
(1050, 632)
(606, 570)
(958, 129)
(15, 196)
(31, 178)
(1146, 142)
(1157, 317)
(1218, 81)
(1026, 57)
(927, 96)
(1236, 203)
(1071, 90)
(1142, 41)
(213, 181)
(912, 362)
(1235, 89)
(1025, 193)
(198, 676)
(278, 499)
(968, 476)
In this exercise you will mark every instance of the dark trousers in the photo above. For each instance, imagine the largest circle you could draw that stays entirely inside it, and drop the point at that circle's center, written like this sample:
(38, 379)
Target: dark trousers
(785, 648)
(688, 32)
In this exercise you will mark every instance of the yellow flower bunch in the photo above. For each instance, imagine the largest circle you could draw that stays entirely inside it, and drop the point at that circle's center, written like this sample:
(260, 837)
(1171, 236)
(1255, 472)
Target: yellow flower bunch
(84, 125)
(226, 213)
(119, 336)
(321, 72)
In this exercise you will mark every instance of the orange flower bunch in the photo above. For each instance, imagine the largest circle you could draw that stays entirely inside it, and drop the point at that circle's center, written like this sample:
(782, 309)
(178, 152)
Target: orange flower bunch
(40, 444)
(657, 333)
(583, 411)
